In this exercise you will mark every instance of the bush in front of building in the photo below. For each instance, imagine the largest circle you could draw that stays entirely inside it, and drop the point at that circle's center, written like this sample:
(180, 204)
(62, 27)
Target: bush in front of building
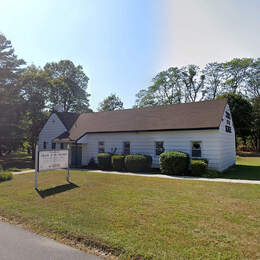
(104, 161)
(174, 163)
(198, 168)
(138, 163)
(118, 162)
(5, 176)
(205, 160)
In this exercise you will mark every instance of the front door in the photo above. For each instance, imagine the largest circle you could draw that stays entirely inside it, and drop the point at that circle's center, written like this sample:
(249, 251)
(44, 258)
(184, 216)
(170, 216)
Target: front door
(76, 155)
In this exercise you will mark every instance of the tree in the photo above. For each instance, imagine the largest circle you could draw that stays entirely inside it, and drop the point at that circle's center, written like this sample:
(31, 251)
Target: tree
(253, 83)
(167, 88)
(11, 109)
(236, 75)
(256, 122)
(35, 88)
(241, 111)
(111, 103)
(193, 81)
(11, 134)
(214, 73)
(69, 85)
(10, 70)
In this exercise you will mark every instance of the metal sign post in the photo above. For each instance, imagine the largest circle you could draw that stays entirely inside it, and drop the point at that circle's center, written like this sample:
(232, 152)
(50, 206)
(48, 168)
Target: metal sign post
(68, 168)
(36, 167)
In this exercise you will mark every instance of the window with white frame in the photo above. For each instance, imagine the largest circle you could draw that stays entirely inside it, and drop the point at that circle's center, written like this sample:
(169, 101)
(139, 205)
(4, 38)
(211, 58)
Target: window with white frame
(196, 149)
(62, 146)
(159, 148)
(101, 147)
(126, 147)
(44, 145)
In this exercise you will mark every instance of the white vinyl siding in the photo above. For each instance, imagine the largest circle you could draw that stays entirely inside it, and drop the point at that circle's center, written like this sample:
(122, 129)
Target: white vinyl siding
(144, 143)
(227, 142)
(53, 128)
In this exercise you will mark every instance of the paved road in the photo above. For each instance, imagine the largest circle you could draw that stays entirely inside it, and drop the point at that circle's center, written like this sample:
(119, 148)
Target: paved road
(16, 243)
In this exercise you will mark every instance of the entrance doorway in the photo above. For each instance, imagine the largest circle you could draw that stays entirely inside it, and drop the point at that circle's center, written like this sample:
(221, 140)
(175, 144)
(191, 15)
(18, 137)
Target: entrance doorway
(76, 155)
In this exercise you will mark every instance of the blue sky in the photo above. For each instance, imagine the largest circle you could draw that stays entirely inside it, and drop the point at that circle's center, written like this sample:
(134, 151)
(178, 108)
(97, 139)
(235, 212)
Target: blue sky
(122, 44)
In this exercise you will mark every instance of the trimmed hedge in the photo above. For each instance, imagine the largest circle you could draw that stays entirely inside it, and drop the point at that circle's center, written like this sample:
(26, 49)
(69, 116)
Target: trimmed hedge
(198, 168)
(118, 162)
(205, 160)
(174, 162)
(138, 162)
(5, 176)
(104, 161)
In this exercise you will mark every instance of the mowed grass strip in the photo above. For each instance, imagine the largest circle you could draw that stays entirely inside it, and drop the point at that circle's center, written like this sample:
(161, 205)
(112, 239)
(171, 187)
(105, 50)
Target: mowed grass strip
(140, 217)
(246, 168)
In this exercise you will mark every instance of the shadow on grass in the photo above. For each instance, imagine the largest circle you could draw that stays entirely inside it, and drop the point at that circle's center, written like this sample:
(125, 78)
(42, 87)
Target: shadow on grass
(56, 190)
(243, 172)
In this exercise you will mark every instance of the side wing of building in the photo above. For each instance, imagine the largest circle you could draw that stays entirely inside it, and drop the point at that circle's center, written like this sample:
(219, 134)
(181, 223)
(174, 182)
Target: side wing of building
(52, 128)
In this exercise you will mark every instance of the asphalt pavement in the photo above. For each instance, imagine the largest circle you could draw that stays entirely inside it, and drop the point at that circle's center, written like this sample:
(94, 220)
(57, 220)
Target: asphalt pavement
(19, 244)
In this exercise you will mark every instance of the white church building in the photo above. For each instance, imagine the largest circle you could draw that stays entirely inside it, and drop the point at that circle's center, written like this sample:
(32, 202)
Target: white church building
(201, 129)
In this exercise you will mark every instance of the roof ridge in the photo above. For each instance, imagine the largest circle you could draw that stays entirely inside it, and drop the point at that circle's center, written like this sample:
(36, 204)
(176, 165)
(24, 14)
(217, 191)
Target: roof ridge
(159, 106)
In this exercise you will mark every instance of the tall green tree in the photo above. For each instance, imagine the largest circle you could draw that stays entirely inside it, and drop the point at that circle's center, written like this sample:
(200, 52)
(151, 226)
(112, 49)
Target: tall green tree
(193, 81)
(112, 102)
(256, 122)
(10, 70)
(241, 111)
(11, 133)
(167, 88)
(11, 109)
(214, 76)
(35, 86)
(236, 74)
(69, 86)
(253, 83)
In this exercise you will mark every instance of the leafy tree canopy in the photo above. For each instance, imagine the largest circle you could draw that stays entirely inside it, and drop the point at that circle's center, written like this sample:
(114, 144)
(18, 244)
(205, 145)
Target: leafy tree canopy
(111, 103)
(68, 86)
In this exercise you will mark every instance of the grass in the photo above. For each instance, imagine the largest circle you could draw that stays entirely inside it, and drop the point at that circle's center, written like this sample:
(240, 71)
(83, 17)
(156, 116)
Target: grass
(139, 217)
(246, 168)
(15, 162)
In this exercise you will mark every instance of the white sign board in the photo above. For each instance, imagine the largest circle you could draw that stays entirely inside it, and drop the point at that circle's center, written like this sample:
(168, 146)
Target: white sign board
(51, 160)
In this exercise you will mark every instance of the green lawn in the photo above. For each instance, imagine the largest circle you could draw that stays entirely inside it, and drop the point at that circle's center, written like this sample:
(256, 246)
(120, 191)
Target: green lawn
(247, 168)
(15, 162)
(140, 217)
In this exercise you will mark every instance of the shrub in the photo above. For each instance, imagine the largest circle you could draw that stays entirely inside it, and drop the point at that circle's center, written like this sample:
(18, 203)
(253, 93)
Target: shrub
(118, 162)
(211, 174)
(104, 161)
(198, 167)
(5, 176)
(205, 160)
(1, 168)
(138, 162)
(92, 163)
(173, 162)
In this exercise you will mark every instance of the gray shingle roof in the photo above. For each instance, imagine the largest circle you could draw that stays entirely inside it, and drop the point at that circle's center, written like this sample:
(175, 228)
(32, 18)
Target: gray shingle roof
(189, 116)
